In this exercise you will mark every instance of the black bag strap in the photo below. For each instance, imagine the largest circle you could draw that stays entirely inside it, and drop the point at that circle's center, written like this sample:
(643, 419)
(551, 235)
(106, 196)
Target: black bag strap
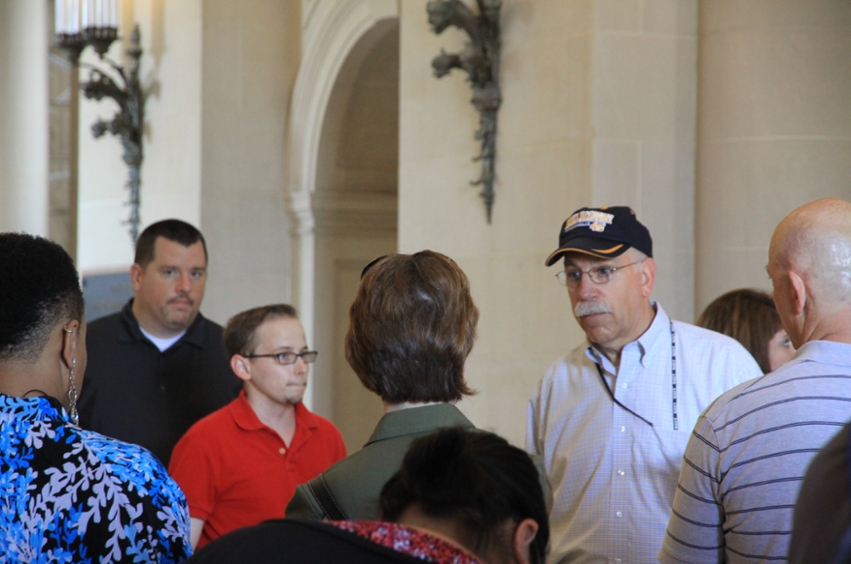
(322, 494)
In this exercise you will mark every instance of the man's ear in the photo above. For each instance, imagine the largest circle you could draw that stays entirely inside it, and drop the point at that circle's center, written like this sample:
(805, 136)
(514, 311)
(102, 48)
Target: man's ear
(648, 276)
(136, 273)
(799, 290)
(241, 367)
(524, 534)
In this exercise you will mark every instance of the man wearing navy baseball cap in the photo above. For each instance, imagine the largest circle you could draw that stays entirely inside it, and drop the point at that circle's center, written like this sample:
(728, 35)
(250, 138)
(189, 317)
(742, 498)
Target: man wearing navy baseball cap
(612, 418)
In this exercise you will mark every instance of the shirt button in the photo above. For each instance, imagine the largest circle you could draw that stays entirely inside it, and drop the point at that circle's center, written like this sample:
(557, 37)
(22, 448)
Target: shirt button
(619, 514)
(621, 472)
(624, 386)
(282, 450)
(623, 429)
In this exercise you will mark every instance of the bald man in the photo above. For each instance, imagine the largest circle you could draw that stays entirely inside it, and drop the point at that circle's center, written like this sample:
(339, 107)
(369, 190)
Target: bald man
(750, 449)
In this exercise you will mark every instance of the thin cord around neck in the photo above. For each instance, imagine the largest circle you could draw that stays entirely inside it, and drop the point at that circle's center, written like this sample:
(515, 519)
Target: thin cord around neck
(674, 414)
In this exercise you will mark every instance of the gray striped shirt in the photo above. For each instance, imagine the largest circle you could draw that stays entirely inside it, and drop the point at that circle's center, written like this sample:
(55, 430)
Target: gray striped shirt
(748, 454)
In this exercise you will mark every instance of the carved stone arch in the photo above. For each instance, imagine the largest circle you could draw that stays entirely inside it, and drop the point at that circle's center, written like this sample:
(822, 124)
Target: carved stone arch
(333, 31)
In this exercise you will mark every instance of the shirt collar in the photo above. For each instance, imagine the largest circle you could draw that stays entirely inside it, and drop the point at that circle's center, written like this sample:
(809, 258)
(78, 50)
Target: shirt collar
(130, 331)
(824, 352)
(415, 420)
(247, 420)
(41, 408)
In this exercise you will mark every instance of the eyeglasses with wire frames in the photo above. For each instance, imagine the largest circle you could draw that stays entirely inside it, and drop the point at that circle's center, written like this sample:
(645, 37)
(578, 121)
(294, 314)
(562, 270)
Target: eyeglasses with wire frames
(289, 357)
(571, 277)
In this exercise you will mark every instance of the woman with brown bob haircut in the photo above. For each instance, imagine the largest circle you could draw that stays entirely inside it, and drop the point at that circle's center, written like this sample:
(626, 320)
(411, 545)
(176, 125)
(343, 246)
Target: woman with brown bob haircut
(411, 327)
(750, 317)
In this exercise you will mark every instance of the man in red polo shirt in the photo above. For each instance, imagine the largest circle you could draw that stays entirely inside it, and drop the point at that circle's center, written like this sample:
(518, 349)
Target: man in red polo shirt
(240, 465)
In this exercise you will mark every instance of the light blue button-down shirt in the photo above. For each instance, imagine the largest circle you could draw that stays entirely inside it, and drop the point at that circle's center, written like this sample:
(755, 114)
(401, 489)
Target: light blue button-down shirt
(614, 475)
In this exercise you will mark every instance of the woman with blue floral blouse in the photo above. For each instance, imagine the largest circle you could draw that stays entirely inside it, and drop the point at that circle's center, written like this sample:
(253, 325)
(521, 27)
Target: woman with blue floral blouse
(67, 495)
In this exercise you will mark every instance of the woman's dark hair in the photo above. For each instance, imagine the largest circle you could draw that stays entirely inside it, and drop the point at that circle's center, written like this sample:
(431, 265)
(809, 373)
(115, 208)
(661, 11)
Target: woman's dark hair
(39, 287)
(238, 334)
(475, 478)
(749, 316)
(411, 327)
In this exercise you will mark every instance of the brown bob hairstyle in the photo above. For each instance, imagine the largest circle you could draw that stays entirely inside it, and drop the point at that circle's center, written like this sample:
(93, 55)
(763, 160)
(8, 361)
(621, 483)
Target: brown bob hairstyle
(238, 335)
(411, 327)
(749, 316)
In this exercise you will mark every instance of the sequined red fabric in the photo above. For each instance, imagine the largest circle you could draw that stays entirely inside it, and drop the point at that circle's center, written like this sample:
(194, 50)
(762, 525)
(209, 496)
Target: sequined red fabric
(408, 541)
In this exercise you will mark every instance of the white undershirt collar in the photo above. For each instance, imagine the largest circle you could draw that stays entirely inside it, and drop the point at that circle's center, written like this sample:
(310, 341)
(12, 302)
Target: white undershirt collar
(160, 343)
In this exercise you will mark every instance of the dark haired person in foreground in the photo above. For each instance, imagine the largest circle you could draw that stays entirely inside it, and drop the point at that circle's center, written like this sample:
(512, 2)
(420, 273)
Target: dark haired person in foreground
(158, 366)
(67, 495)
(750, 317)
(821, 525)
(411, 327)
(460, 497)
(240, 465)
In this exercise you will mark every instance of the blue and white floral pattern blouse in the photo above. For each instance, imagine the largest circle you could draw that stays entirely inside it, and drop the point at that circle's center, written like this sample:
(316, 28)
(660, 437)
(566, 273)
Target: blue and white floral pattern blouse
(69, 495)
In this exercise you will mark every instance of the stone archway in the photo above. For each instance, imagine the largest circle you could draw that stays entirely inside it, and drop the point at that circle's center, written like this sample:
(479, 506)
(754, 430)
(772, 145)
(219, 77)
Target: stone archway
(342, 186)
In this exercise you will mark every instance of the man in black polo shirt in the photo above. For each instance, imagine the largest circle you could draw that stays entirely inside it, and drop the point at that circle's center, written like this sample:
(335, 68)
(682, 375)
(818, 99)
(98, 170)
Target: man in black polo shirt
(158, 366)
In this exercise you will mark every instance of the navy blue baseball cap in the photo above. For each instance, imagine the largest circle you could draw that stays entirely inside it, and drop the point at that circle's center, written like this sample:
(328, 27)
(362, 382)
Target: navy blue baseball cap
(604, 232)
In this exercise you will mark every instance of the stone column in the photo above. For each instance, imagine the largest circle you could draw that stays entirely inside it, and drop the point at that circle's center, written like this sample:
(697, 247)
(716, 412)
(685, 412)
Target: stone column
(642, 105)
(774, 128)
(23, 117)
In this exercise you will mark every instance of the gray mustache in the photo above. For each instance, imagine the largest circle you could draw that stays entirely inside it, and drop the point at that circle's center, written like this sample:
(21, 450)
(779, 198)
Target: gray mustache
(590, 307)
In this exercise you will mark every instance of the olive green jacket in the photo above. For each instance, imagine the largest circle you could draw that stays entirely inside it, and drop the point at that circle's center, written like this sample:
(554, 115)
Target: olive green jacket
(356, 481)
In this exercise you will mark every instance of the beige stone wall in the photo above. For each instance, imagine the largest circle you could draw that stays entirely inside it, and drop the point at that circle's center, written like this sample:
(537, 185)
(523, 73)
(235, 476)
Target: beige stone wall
(171, 172)
(220, 75)
(643, 84)
(250, 54)
(354, 206)
(543, 171)
(62, 219)
(774, 127)
(598, 109)
(23, 117)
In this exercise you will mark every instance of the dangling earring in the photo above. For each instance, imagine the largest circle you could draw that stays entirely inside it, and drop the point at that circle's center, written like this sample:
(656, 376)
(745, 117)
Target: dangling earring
(72, 395)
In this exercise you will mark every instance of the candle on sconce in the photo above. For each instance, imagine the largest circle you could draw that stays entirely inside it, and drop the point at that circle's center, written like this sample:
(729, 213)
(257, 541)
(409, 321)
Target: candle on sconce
(59, 15)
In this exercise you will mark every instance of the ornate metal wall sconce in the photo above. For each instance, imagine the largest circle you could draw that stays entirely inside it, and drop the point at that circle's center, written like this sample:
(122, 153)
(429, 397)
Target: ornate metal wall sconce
(80, 23)
(480, 60)
(127, 121)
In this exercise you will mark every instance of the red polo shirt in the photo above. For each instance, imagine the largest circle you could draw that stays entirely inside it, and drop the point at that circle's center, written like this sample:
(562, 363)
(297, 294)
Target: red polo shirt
(236, 471)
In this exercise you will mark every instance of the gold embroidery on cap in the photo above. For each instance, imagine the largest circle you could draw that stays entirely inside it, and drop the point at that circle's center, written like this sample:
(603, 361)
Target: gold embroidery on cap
(593, 220)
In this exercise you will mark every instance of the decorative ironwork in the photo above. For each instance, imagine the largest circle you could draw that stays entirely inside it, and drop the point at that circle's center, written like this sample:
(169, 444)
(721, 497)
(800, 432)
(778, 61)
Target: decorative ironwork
(480, 60)
(127, 122)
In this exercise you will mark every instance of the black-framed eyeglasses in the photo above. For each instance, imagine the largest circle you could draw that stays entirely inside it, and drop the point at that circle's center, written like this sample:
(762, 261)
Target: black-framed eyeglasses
(288, 357)
(571, 277)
